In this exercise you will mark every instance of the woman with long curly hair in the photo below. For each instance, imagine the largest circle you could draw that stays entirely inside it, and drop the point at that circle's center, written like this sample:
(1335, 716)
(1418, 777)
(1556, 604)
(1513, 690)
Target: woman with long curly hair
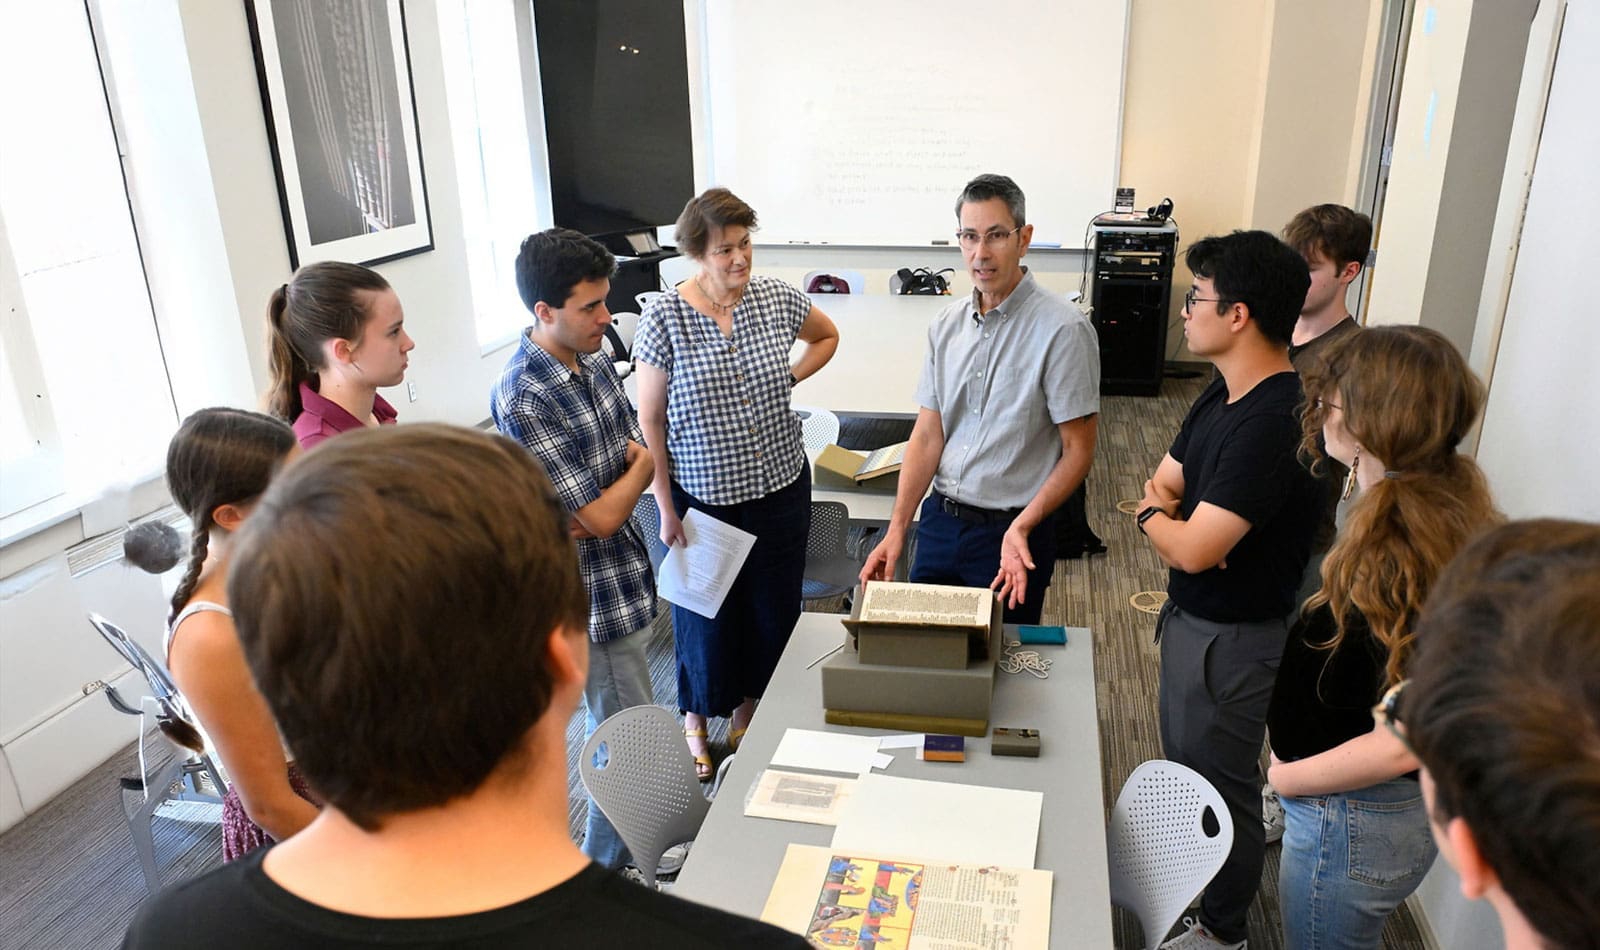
(1392, 404)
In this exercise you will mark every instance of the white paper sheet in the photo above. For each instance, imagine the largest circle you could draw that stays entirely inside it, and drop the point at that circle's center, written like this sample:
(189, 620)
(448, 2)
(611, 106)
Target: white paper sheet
(889, 815)
(827, 751)
(798, 796)
(909, 740)
(698, 574)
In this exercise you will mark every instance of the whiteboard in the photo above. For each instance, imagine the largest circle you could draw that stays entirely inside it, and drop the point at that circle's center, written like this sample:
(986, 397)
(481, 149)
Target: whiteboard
(859, 121)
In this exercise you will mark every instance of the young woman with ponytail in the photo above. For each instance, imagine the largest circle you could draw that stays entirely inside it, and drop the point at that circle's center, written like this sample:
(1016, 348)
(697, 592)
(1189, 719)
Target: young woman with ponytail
(218, 463)
(335, 335)
(1393, 404)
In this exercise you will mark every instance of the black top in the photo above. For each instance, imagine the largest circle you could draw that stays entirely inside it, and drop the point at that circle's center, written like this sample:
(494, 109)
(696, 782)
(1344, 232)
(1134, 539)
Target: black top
(1333, 472)
(238, 906)
(1241, 457)
(1323, 699)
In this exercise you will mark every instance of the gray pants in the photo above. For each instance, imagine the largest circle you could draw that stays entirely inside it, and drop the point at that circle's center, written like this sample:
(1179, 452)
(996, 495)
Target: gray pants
(1216, 683)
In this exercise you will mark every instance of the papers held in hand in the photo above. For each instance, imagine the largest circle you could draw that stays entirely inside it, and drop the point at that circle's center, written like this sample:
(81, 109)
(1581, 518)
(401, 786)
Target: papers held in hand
(859, 468)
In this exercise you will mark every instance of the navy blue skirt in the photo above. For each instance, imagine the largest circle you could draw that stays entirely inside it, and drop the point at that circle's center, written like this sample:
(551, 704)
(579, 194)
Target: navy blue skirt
(725, 659)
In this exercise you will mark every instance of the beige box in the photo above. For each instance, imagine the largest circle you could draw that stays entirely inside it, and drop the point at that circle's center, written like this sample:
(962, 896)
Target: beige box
(946, 645)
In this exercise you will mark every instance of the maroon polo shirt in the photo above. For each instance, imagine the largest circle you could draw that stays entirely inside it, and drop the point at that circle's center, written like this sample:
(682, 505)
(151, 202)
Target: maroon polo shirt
(320, 419)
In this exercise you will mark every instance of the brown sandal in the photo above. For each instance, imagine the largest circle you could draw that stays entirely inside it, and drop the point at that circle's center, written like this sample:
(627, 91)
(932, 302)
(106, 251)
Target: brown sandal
(702, 763)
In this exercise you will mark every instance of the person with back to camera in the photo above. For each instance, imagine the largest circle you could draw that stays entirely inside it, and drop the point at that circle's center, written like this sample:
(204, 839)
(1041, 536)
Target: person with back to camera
(422, 643)
(218, 464)
(714, 381)
(336, 335)
(1391, 404)
(1504, 711)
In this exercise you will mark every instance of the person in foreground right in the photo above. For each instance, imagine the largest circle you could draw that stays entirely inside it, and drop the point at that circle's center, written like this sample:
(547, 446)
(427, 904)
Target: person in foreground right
(1391, 405)
(1504, 711)
(422, 644)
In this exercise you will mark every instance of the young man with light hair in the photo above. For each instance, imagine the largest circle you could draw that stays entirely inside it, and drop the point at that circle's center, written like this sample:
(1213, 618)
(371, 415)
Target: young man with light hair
(410, 605)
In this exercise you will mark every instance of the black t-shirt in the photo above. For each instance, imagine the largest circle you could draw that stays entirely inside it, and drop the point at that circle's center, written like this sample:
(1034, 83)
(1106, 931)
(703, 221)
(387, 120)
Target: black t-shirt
(1241, 457)
(238, 906)
(1323, 699)
(1333, 472)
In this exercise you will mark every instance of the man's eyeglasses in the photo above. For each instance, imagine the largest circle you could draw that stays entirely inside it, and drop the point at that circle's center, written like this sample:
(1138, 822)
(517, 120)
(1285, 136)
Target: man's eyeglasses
(1190, 299)
(1387, 712)
(969, 239)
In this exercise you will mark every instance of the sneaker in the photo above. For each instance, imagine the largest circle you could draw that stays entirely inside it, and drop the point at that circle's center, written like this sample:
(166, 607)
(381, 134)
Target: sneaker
(672, 861)
(1271, 813)
(1197, 937)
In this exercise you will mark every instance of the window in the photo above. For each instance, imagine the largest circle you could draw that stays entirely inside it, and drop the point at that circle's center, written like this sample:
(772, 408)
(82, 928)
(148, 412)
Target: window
(501, 204)
(83, 384)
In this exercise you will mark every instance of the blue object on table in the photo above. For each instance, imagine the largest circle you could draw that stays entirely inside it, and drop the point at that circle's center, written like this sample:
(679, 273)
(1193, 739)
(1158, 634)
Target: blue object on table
(1033, 634)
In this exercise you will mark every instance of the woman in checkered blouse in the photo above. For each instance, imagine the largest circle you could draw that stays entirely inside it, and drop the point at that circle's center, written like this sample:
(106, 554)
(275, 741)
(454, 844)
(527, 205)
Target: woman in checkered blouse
(714, 380)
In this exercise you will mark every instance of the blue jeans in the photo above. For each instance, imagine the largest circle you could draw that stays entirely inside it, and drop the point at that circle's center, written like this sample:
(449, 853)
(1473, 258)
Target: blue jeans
(619, 678)
(1349, 859)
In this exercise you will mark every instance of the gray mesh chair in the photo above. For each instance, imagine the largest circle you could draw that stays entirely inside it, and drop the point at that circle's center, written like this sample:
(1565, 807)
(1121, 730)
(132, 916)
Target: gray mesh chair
(1162, 852)
(831, 573)
(819, 428)
(637, 769)
(179, 780)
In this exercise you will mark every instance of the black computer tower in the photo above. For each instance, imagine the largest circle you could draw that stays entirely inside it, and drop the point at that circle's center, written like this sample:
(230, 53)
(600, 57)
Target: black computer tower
(1131, 284)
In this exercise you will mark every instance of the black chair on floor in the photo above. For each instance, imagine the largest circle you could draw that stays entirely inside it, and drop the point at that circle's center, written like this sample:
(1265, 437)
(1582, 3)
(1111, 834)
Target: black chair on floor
(831, 572)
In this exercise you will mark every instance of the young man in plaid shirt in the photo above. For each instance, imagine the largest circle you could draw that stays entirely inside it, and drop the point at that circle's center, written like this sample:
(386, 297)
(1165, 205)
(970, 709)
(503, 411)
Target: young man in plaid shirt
(560, 397)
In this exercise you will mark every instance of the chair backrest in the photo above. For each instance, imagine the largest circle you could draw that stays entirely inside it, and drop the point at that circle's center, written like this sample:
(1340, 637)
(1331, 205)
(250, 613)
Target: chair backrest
(637, 769)
(173, 717)
(155, 673)
(819, 428)
(828, 522)
(648, 517)
(1161, 851)
(644, 298)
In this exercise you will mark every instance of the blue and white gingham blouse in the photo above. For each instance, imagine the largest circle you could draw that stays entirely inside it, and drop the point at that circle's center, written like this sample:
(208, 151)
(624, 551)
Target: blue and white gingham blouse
(731, 435)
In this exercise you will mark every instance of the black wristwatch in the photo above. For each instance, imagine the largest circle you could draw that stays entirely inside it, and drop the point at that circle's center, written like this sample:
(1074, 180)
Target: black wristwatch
(793, 380)
(1147, 514)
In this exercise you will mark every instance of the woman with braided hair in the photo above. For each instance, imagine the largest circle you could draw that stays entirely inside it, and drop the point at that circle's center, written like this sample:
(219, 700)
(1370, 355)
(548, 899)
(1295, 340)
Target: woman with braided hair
(218, 463)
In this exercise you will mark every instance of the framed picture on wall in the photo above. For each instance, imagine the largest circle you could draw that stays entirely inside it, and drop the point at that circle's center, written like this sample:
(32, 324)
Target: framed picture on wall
(342, 126)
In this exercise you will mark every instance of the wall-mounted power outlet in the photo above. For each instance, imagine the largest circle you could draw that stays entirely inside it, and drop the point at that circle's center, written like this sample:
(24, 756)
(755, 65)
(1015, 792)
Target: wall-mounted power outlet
(411, 391)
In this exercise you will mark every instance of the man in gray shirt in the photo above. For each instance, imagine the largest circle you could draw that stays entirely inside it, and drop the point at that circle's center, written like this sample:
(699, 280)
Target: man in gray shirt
(1008, 415)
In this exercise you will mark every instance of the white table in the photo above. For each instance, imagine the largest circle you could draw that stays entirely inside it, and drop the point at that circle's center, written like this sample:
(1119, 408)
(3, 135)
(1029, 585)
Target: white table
(735, 858)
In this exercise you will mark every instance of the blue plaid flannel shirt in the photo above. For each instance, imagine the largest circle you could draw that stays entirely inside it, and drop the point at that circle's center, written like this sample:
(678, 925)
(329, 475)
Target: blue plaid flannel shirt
(578, 426)
(731, 434)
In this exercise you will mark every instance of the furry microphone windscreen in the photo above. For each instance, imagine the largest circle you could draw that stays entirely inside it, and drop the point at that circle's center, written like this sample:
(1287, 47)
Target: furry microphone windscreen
(153, 546)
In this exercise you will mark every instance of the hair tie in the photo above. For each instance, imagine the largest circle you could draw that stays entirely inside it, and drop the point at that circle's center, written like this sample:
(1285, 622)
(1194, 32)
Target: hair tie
(1391, 473)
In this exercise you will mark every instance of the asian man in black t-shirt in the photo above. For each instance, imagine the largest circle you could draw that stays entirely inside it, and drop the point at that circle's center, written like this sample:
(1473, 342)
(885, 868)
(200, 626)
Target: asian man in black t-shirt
(1231, 511)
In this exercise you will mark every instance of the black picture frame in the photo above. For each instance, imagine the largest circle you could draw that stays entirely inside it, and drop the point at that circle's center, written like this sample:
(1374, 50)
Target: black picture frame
(336, 90)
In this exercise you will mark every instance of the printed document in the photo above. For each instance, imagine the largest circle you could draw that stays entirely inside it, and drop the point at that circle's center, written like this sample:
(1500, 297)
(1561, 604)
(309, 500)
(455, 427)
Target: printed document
(697, 575)
(843, 898)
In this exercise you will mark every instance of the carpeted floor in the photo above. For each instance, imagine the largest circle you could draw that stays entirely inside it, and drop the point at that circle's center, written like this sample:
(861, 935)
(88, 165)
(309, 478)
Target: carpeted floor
(69, 879)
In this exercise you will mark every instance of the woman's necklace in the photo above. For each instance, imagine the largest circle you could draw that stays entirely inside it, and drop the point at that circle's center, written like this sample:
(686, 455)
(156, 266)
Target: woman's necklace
(714, 302)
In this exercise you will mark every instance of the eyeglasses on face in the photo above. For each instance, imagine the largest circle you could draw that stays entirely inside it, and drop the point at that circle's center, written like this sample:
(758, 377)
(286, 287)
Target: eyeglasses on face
(1191, 298)
(1324, 405)
(969, 238)
(1387, 712)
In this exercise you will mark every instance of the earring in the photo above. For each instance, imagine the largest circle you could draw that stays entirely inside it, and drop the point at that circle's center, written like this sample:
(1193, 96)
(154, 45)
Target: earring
(1350, 480)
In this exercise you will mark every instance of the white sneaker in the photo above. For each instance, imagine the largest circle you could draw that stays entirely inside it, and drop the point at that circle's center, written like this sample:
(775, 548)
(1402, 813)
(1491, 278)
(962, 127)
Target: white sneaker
(1197, 937)
(1271, 813)
(672, 860)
